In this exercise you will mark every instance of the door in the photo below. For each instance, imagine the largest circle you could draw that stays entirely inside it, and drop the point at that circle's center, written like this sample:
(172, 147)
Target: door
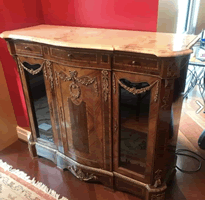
(81, 114)
(36, 75)
(135, 107)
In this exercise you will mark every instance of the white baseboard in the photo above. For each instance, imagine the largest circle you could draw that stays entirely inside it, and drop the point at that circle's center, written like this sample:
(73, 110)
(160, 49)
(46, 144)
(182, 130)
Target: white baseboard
(22, 133)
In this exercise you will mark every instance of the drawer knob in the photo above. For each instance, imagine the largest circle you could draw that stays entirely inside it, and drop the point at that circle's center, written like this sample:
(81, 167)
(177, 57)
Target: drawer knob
(69, 55)
(27, 48)
(136, 63)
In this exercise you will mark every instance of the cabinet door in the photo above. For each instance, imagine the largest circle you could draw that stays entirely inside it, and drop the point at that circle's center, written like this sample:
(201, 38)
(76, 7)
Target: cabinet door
(40, 99)
(135, 107)
(81, 114)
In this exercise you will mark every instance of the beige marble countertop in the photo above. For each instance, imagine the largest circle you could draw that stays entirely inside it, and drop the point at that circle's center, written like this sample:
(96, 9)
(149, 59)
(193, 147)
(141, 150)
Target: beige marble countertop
(159, 44)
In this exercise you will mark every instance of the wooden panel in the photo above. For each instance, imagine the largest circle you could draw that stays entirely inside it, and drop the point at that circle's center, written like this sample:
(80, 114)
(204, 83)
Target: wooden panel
(128, 186)
(79, 132)
(28, 48)
(82, 88)
(71, 55)
(134, 61)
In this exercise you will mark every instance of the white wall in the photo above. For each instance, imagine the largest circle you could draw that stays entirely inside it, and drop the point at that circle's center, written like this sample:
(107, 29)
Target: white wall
(201, 17)
(167, 16)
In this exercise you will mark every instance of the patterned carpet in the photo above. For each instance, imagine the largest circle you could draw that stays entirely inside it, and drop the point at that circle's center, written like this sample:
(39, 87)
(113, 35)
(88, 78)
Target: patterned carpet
(16, 185)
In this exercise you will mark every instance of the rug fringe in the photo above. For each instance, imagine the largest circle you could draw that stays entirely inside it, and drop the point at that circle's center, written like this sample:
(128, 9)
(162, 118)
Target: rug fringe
(27, 178)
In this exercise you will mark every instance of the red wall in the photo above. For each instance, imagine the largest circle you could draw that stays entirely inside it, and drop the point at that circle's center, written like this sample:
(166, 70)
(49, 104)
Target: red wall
(13, 15)
(117, 14)
(126, 14)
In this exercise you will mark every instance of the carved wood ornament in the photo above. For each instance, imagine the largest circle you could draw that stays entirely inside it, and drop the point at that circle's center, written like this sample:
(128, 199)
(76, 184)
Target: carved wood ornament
(49, 73)
(114, 83)
(81, 175)
(31, 71)
(105, 84)
(75, 90)
(158, 196)
(158, 178)
(172, 68)
(166, 98)
(141, 90)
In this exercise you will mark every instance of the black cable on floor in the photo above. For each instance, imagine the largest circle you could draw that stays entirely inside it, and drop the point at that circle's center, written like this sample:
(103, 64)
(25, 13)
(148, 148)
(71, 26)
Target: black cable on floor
(178, 153)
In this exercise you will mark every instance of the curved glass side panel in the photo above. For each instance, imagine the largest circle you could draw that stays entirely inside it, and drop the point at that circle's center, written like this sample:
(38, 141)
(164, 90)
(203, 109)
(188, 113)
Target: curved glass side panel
(133, 119)
(39, 103)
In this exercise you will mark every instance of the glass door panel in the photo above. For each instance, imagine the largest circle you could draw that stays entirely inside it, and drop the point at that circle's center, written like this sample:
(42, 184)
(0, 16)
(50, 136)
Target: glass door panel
(133, 120)
(39, 102)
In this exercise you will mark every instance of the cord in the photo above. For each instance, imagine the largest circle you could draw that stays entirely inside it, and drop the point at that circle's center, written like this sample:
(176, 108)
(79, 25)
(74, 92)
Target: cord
(195, 158)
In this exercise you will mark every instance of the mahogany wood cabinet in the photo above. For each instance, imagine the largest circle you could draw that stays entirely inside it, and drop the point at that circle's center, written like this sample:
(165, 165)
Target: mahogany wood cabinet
(105, 104)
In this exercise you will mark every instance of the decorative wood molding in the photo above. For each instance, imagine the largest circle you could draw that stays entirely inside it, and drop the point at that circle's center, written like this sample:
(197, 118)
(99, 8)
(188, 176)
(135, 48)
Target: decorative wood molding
(156, 92)
(158, 196)
(51, 108)
(18, 64)
(78, 173)
(75, 90)
(31, 71)
(105, 84)
(31, 145)
(115, 125)
(61, 114)
(22, 133)
(166, 98)
(172, 68)
(50, 73)
(45, 72)
(56, 78)
(135, 91)
(158, 178)
(114, 83)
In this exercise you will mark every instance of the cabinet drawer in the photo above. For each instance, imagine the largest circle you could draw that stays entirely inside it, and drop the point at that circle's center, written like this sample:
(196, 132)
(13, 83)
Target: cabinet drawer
(74, 56)
(28, 48)
(135, 61)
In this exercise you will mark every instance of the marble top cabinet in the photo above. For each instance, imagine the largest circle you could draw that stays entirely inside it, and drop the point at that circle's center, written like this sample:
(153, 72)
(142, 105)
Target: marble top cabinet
(105, 104)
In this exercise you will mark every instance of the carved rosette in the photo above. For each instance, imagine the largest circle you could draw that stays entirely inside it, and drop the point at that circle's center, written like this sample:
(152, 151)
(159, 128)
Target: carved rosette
(74, 88)
(105, 84)
(158, 196)
(81, 175)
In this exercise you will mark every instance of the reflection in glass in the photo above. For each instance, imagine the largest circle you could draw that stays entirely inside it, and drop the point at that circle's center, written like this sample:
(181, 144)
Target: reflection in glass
(39, 103)
(134, 118)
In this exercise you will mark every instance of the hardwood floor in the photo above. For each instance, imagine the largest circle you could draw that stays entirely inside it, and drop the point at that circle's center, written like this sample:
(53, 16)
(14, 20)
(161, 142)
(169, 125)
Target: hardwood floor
(183, 186)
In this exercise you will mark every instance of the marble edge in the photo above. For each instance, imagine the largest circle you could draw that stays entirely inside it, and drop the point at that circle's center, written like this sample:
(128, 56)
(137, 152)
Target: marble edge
(158, 54)
(56, 43)
(187, 51)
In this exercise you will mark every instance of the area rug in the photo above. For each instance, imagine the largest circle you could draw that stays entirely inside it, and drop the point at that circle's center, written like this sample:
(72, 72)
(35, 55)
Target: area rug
(17, 185)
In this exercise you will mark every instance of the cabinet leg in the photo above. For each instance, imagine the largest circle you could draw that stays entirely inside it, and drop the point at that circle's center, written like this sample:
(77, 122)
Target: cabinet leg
(31, 146)
(156, 193)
